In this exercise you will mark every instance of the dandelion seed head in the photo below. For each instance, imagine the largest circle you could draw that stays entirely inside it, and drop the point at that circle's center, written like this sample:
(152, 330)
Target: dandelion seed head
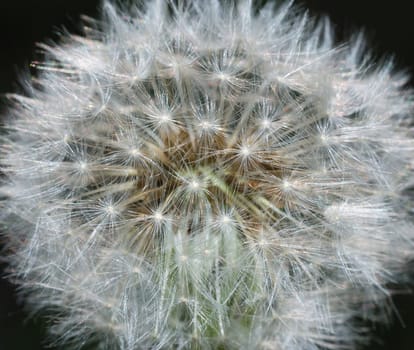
(203, 175)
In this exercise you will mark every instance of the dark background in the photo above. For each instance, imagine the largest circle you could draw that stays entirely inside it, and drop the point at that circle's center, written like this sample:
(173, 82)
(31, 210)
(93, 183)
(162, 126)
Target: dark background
(389, 29)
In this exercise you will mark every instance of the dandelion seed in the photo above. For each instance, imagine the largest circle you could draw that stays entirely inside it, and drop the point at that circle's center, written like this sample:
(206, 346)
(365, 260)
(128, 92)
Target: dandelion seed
(83, 166)
(245, 151)
(158, 216)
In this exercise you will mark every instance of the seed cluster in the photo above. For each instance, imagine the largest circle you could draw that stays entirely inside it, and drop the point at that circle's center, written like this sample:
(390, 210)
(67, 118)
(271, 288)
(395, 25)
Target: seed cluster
(206, 176)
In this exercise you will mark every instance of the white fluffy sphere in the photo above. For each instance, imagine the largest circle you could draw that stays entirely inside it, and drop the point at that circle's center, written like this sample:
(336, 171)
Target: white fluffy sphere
(197, 175)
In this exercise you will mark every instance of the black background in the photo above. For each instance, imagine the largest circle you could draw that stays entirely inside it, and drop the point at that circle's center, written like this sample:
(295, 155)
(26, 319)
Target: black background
(389, 29)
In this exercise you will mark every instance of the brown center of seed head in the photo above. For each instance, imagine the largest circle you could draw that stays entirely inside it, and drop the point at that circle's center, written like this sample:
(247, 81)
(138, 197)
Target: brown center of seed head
(210, 170)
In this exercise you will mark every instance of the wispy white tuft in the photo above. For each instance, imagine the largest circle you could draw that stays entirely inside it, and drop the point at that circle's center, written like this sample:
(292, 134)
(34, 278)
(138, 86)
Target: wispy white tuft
(197, 175)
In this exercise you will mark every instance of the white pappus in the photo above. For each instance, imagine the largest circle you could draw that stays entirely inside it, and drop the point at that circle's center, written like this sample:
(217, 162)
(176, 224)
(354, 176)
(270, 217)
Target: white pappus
(206, 175)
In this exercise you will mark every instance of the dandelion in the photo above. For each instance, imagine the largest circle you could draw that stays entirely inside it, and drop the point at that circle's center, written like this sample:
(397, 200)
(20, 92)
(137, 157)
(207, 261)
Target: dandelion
(207, 176)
